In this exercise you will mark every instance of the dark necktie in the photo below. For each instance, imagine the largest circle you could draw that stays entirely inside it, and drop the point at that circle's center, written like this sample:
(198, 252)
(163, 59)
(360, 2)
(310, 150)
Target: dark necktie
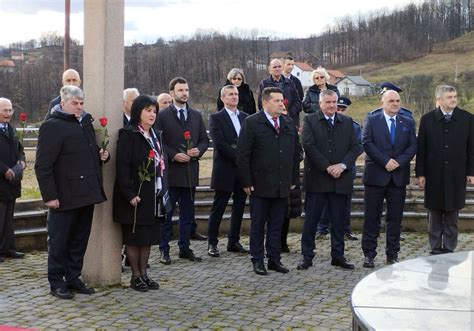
(330, 122)
(275, 124)
(181, 116)
(392, 131)
(4, 131)
(447, 118)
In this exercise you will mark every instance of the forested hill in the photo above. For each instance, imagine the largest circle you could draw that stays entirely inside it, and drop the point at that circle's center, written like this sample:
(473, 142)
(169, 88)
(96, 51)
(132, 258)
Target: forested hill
(379, 38)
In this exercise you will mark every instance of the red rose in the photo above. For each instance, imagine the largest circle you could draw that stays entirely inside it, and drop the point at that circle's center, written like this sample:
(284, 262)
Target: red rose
(151, 154)
(187, 135)
(103, 121)
(285, 102)
(23, 117)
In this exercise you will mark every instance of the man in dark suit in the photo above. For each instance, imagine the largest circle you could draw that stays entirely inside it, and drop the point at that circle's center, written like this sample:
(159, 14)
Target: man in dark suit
(70, 77)
(331, 148)
(185, 140)
(12, 163)
(68, 172)
(389, 142)
(268, 165)
(290, 94)
(224, 128)
(444, 162)
(129, 95)
(288, 65)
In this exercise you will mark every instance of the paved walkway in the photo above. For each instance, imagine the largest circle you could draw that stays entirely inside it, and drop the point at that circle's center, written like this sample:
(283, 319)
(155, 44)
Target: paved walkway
(219, 293)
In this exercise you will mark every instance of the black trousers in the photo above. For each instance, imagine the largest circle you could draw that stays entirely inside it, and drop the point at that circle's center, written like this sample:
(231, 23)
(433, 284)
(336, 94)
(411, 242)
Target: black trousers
(68, 235)
(7, 235)
(373, 199)
(221, 199)
(268, 212)
(315, 203)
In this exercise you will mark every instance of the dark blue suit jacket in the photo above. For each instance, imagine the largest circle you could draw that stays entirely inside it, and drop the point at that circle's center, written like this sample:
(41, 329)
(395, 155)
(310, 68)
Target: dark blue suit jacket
(379, 150)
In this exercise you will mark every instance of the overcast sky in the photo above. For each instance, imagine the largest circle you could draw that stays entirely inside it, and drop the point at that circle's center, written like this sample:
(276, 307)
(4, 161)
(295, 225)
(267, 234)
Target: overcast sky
(148, 20)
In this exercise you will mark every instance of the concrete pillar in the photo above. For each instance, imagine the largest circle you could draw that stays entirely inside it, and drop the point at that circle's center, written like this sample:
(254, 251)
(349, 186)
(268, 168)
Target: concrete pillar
(103, 86)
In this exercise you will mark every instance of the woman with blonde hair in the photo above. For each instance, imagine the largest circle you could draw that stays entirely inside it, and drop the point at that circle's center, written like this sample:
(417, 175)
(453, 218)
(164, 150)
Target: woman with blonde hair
(320, 77)
(246, 100)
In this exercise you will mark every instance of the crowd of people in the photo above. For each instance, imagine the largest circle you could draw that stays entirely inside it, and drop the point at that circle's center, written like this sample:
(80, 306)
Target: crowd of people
(258, 148)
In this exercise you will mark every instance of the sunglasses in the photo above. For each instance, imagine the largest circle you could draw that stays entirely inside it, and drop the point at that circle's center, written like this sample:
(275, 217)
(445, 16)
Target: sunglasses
(236, 78)
(319, 77)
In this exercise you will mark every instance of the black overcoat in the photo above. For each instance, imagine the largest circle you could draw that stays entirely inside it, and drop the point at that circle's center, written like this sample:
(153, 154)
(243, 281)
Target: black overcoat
(445, 157)
(266, 160)
(311, 98)
(325, 146)
(132, 152)
(224, 137)
(67, 162)
(11, 151)
(173, 130)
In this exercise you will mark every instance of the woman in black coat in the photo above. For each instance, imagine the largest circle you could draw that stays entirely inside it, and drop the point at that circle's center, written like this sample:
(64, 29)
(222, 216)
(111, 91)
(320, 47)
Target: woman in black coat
(320, 77)
(139, 203)
(246, 100)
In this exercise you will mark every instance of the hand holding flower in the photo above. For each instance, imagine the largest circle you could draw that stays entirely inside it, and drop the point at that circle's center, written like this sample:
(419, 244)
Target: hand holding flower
(104, 154)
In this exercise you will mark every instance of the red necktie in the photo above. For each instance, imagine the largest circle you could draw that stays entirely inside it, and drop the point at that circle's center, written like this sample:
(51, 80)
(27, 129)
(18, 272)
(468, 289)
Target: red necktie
(275, 124)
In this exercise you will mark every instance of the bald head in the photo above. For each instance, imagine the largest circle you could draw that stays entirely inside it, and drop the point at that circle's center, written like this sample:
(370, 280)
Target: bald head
(275, 69)
(6, 110)
(164, 100)
(71, 77)
(391, 103)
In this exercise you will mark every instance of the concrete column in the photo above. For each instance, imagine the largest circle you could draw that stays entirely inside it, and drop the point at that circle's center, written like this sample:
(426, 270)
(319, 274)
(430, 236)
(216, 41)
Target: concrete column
(103, 86)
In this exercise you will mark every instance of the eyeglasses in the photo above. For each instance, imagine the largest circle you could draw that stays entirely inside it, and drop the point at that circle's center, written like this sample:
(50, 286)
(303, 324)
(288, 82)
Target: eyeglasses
(236, 78)
(275, 67)
(319, 77)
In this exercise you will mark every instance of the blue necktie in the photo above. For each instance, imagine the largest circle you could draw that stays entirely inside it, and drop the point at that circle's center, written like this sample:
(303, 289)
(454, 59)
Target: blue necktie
(392, 131)
(330, 122)
(181, 116)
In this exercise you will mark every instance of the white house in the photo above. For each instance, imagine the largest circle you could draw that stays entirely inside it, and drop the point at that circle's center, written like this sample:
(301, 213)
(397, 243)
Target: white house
(354, 86)
(302, 71)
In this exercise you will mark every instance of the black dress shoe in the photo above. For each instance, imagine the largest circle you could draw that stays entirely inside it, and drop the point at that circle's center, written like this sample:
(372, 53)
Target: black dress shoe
(277, 266)
(138, 284)
(237, 248)
(213, 251)
(62, 293)
(14, 254)
(2, 259)
(259, 268)
(391, 260)
(351, 236)
(165, 258)
(285, 248)
(152, 285)
(342, 263)
(79, 287)
(304, 264)
(197, 236)
(368, 262)
(189, 255)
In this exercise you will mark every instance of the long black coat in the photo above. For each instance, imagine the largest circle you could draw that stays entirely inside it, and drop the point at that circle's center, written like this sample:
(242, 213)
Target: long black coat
(67, 162)
(289, 92)
(325, 146)
(132, 152)
(445, 157)
(224, 137)
(168, 122)
(11, 151)
(311, 98)
(266, 160)
(246, 99)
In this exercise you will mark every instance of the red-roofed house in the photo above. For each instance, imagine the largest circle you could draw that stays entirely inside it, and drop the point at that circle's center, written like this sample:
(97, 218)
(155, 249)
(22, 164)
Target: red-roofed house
(302, 71)
(336, 76)
(7, 66)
